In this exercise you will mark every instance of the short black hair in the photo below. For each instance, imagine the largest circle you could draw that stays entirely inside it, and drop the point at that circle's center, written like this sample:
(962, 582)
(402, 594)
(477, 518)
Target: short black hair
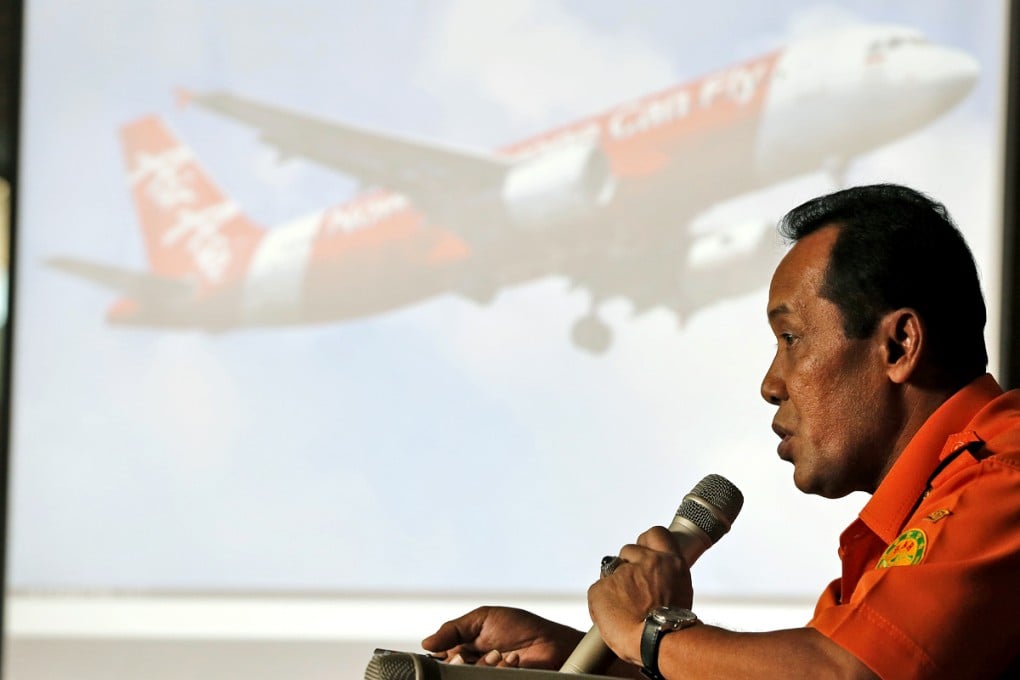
(896, 247)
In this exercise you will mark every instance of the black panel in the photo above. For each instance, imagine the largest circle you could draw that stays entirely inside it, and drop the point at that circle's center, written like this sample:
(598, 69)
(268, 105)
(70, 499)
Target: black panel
(10, 89)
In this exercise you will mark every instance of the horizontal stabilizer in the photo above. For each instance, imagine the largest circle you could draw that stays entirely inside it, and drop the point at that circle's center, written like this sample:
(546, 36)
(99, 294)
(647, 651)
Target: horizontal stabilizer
(134, 284)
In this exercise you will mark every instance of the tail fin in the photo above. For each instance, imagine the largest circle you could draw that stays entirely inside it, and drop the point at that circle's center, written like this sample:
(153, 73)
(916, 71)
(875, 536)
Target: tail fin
(191, 229)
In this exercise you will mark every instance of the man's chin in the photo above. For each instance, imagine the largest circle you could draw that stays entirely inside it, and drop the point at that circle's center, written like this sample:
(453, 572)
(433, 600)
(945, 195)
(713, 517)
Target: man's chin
(809, 484)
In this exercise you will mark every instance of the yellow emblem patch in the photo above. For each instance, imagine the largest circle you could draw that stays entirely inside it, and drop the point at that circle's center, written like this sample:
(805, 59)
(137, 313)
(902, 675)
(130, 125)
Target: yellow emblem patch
(906, 550)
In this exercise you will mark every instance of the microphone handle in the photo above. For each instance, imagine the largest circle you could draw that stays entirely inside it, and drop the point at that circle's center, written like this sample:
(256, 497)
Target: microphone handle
(591, 655)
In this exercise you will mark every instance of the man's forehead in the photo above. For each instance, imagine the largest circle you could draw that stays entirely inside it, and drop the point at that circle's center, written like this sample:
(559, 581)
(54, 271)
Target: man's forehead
(801, 272)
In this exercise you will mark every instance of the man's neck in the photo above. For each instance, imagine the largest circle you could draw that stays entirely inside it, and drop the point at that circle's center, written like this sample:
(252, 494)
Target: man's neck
(919, 403)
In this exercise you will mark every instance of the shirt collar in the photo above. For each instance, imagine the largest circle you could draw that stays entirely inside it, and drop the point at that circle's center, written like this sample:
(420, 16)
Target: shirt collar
(946, 428)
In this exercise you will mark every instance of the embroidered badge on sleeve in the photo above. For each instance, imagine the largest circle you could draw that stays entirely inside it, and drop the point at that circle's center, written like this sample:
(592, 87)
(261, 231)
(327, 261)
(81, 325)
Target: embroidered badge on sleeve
(906, 550)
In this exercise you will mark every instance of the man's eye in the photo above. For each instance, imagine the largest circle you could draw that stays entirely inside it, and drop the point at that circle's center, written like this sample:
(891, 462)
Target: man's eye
(787, 338)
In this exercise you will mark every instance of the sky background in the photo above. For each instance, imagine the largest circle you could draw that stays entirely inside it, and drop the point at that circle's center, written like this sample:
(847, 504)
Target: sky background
(447, 447)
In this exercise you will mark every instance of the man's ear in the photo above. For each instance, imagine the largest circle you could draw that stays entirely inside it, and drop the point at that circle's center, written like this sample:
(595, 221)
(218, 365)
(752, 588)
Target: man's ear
(902, 335)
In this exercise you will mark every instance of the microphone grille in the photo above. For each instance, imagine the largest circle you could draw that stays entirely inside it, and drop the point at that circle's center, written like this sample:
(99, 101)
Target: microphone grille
(392, 667)
(702, 517)
(720, 493)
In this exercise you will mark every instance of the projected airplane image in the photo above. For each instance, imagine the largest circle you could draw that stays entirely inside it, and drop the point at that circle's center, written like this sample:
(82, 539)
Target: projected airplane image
(605, 202)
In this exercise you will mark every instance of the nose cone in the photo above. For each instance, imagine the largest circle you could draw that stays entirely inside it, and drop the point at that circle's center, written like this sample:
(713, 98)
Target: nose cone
(932, 77)
(954, 74)
(919, 83)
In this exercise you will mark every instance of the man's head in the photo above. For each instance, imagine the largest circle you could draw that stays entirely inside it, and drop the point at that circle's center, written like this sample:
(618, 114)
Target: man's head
(898, 248)
(878, 315)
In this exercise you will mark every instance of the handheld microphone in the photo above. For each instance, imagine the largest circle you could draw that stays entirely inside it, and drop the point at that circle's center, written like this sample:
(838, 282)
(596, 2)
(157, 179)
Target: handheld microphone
(704, 516)
(387, 665)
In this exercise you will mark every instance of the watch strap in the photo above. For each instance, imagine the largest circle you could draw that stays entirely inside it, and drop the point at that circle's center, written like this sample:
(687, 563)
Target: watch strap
(651, 638)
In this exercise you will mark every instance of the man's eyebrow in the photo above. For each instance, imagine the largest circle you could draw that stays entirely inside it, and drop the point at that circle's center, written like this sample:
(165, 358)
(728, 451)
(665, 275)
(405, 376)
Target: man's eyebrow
(778, 310)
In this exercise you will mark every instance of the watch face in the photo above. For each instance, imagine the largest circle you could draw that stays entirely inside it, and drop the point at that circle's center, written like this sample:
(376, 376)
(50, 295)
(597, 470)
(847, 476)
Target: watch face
(676, 617)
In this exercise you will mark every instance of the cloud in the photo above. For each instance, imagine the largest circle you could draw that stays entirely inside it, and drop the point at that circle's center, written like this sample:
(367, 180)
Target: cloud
(810, 22)
(537, 61)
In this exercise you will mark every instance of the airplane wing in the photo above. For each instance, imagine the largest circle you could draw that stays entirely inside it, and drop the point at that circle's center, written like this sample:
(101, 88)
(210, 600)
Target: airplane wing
(419, 169)
(469, 193)
(137, 285)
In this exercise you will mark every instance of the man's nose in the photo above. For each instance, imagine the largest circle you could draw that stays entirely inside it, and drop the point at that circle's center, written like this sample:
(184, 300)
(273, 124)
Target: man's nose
(773, 387)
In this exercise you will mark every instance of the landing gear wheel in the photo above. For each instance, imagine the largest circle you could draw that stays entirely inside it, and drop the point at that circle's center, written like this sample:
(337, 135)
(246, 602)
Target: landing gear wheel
(592, 334)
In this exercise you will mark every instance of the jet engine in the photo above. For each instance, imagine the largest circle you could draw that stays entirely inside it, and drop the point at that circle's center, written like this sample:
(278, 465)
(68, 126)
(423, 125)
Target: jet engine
(557, 187)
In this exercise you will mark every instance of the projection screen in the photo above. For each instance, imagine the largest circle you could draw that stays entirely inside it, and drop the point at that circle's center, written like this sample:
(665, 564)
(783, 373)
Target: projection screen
(451, 297)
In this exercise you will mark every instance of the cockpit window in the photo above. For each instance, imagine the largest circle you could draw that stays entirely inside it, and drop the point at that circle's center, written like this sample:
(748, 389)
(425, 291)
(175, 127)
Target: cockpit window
(895, 42)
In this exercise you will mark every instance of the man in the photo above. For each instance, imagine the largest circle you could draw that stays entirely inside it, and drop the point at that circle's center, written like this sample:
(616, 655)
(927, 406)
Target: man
(880, 386)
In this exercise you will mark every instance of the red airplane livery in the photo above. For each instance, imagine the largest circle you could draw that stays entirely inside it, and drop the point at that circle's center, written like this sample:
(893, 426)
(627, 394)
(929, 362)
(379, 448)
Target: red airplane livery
(605, 202)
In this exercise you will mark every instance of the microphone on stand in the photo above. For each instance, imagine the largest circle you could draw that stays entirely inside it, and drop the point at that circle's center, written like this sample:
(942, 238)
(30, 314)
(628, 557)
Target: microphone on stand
(387, 665)
(704, 516)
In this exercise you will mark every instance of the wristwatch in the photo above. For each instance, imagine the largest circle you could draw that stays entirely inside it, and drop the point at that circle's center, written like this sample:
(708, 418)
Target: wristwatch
(659, 622)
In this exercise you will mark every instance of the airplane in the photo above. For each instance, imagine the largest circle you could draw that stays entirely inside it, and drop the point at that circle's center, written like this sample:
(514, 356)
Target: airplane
(606, 202)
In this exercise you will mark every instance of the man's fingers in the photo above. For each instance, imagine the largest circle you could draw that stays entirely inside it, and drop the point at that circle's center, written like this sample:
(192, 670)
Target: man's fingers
(633, 553)
(463, 654)
(491, 658)
(657, 544)
(496, 658)
(657, 538)
(443, 639)
(455, 632)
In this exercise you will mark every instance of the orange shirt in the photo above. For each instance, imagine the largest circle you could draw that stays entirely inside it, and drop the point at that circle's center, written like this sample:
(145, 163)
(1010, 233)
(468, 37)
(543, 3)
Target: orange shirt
(931, 567)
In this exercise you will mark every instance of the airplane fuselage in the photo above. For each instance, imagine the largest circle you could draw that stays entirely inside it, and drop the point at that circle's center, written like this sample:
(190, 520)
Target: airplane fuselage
(601, 193)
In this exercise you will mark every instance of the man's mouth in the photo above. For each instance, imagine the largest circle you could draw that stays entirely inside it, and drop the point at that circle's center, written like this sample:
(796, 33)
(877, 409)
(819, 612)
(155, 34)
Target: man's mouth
(784, 446)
